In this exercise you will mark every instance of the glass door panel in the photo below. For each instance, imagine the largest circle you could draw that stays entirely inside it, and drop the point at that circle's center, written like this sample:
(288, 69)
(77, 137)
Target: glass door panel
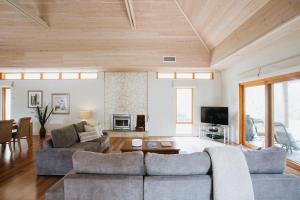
(255, 115)
(184, 111)
(287, 118)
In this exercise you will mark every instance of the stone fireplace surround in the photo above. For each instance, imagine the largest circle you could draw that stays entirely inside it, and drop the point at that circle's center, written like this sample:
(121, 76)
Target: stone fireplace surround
(125, 93)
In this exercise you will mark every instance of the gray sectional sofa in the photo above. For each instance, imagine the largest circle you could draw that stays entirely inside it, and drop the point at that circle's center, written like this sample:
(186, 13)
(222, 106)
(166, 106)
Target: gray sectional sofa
(56, 157)
(131, 176)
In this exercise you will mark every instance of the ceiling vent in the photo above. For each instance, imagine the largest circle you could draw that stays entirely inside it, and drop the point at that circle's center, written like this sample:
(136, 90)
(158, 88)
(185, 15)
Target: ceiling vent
(169, 58)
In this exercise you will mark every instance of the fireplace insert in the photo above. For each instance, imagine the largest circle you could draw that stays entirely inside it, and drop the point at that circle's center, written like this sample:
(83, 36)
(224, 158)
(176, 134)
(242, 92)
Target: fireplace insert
(121, 122)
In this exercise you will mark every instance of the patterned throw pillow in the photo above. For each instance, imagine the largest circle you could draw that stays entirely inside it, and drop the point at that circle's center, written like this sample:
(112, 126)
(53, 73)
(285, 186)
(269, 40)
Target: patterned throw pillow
(98, 129)
(88, 136)
(89, 128)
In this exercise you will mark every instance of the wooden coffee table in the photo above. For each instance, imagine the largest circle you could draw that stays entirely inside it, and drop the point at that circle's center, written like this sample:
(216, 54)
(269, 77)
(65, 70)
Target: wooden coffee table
(127, 147)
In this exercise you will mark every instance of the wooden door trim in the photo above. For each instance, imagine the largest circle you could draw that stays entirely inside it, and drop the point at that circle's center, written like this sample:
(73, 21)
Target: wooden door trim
(3, 104)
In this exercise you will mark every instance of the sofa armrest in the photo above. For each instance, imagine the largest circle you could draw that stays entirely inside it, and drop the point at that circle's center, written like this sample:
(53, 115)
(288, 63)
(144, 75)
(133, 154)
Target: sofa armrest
(54, 161)
(48, 143)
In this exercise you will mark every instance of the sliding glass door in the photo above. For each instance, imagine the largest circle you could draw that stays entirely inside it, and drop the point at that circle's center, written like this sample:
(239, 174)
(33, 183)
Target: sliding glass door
(287, 118)
(255, 115)
(270, 114)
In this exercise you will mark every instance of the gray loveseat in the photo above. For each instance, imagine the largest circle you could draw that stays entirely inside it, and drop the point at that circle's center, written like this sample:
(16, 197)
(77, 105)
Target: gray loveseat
(56, 157)
(130, 176)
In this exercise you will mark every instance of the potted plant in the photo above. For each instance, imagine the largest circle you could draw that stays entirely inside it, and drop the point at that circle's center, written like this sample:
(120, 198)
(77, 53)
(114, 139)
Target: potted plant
(43, 115)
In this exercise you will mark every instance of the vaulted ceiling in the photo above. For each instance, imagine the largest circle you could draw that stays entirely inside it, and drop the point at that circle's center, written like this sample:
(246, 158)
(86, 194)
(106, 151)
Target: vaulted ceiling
(97, 33)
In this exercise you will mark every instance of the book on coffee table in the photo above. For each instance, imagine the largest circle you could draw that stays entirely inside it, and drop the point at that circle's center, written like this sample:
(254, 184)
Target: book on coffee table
(152, 144)
(166, 144)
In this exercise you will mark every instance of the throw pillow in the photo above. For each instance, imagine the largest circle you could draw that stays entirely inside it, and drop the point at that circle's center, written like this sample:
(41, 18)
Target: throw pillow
(79, 127)
(88, 136)
(98, 129)
(89, 128)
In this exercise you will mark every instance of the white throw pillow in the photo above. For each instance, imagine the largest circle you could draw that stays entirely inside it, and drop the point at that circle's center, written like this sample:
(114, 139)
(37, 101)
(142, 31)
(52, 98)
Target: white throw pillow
(98, 129)
(89, 128)
(88, 136)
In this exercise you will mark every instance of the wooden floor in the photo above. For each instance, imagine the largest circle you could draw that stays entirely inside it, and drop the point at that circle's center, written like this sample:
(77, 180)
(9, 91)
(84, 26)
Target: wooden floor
(17, 174)
(17, 171)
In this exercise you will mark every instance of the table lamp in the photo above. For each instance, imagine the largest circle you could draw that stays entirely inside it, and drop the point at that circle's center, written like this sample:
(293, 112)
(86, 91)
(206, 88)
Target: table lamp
(84, 115)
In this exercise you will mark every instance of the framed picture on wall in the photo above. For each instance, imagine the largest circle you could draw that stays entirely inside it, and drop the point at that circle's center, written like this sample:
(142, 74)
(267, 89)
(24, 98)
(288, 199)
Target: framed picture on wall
(35, 98)
(61, 103)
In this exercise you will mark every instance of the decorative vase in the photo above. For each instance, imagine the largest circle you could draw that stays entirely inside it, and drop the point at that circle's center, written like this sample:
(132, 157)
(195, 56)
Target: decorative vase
(42, 132)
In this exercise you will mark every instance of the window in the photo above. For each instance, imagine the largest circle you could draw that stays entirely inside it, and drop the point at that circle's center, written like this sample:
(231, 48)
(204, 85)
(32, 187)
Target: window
(50, 76)
(269, 114)
(32, 76)
(13, 76)
(6, 103)
(89, 75)
(203, 75)
(184, 111)
(165, 75)
(184, 75)
(70, 75)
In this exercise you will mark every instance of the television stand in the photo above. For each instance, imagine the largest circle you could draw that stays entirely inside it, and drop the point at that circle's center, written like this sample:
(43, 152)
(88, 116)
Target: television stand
(214, 136)
(216, 133)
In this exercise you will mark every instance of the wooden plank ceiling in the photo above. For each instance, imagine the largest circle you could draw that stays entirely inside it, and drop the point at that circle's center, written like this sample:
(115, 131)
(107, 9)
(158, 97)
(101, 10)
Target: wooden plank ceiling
(97, 33)
(217, 19)
(237, 31)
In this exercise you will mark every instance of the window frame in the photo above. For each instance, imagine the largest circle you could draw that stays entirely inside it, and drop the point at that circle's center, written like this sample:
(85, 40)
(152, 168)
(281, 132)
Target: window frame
(269, 109)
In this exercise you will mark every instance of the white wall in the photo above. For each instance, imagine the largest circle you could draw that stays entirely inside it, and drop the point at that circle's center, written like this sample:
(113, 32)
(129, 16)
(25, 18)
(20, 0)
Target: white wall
(84, 95)
(89, 95)
(230, 86)
(162, 101)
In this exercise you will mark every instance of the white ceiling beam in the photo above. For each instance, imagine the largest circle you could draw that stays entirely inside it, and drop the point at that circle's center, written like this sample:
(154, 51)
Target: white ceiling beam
(274, 15)
(28, 13)
(130, 13)
(192, 26)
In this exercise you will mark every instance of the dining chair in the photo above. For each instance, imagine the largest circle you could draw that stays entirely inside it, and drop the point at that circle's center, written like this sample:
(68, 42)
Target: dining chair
(6, 133)
(23, 131)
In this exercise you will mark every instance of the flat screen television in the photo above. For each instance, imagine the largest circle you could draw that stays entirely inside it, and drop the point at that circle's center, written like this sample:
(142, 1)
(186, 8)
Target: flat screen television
(214, 115)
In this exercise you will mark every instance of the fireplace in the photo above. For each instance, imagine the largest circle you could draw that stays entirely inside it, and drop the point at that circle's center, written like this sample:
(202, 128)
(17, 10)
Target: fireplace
(121, 122)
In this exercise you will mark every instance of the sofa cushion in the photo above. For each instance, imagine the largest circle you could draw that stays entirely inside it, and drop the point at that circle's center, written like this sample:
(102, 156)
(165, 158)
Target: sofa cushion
(79, 127)
(131, 163)
(267, 161)
(88, 136)
(177, 164)
(101, 139)
(193, 187)
(64, 137)
(86, 146)
(275, 186)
